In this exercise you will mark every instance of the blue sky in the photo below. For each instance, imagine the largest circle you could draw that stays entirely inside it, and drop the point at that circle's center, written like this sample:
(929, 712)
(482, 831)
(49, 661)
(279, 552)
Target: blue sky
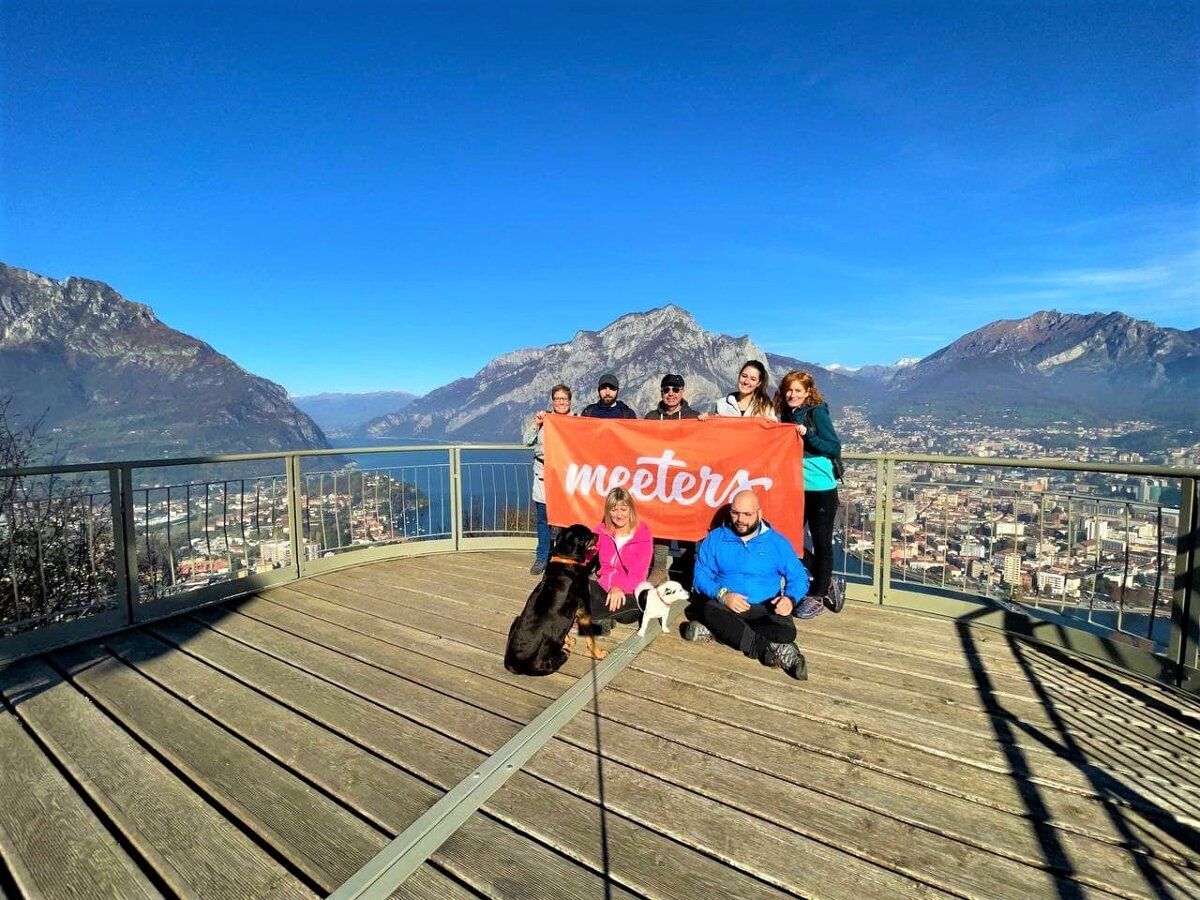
(369, 196)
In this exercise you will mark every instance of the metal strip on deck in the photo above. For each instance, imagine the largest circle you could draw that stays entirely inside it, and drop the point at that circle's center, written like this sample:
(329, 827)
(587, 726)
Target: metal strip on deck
(388, 869)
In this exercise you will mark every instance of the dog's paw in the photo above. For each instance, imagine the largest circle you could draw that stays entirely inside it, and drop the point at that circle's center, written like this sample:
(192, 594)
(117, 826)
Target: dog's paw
(569, 642)
(599, 653)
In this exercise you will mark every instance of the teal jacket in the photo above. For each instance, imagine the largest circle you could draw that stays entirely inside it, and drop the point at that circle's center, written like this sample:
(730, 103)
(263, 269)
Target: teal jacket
(821, 445)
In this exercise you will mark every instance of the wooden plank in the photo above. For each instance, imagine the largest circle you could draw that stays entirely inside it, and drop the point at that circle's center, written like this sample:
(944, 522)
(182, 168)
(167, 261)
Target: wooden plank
(769, 721)
(194, 849)
(880, 664)
(931, 638)
(925, 721)
(54, 845)
(999, 791)
(945, 840)
(938, 638)
(316, 835)
(1026, 704)
(782, 855)
(488, 856)
(928, 728)
(643, 861)
(930, 856)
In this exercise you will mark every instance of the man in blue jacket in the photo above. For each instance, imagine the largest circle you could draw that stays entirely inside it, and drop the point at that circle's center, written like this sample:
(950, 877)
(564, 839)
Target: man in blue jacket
(747, 577)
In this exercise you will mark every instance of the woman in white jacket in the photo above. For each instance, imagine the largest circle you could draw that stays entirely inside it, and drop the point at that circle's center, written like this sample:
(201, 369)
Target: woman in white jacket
(560, 401)
(751, 397)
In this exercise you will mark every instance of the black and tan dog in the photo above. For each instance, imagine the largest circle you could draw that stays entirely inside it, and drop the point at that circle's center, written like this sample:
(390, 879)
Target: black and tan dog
(540, 639)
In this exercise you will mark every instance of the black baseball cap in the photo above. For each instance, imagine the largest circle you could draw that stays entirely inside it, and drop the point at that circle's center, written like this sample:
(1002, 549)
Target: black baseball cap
(609, 379)
(671, 380)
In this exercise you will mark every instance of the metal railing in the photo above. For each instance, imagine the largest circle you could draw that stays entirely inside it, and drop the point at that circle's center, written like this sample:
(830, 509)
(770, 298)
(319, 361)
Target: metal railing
(1097, 557)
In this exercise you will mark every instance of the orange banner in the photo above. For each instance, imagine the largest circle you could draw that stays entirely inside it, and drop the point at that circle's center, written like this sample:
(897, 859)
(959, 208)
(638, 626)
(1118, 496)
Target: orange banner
(681, 473)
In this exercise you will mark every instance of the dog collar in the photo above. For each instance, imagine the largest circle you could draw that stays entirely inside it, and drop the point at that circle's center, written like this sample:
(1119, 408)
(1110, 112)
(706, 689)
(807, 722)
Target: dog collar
(565, 561)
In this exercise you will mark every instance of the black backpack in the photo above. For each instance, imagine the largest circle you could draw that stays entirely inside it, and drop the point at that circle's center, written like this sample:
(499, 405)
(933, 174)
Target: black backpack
(839, 467)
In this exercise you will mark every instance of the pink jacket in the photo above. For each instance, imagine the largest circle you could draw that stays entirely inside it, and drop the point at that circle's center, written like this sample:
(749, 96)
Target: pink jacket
(629, 567)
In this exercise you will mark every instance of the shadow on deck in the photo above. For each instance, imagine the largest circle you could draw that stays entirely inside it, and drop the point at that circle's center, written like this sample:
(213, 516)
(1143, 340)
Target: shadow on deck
(271, 746)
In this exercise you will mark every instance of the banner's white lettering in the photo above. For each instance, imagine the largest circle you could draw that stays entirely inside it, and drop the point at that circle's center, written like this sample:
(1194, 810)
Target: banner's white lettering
(685, 488)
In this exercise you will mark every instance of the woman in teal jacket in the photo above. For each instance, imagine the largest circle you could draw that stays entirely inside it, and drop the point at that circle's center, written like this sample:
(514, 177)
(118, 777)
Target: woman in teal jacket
(799, 402)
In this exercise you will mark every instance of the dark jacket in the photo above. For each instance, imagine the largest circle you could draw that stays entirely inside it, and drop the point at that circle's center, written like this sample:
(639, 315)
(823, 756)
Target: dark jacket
(619, 410)
(821, 439)
(685, 412)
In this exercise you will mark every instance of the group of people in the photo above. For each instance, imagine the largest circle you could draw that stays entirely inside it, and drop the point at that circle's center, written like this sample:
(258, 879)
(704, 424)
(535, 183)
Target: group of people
(749, 584)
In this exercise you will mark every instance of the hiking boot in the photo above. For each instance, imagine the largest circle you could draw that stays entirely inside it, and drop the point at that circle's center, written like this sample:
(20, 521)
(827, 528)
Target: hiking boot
(695, 631)
(537, 568)
(809, 608)
(835, 597)
(787, 657)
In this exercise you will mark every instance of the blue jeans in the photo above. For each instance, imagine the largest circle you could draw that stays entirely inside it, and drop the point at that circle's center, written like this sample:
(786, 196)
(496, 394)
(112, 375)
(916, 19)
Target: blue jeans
(542, 554)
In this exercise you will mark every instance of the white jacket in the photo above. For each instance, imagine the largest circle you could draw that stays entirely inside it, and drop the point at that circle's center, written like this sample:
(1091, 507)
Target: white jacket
(728, 406)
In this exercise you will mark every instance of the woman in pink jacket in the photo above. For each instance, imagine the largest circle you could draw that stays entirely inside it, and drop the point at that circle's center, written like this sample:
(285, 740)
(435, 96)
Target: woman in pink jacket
(624, 550)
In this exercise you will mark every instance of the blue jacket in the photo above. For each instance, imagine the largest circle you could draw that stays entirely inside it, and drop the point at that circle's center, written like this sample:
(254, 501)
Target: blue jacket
(752, 568)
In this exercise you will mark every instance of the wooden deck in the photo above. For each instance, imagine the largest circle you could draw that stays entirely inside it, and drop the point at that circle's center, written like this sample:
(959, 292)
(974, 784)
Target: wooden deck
(270, 747)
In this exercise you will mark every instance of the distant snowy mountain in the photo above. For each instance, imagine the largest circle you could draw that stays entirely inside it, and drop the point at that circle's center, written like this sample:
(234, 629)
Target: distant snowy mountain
(340, 414)
(884, 374)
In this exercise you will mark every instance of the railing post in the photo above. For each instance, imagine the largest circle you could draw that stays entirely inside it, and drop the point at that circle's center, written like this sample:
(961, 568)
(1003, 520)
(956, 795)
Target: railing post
(877, 532)
(456, 500)
(125, 535)
(1185, 605)
(885, 475)
(295, 526)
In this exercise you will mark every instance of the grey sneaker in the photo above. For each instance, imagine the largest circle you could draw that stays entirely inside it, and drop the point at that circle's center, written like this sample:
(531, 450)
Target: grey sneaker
(787, 657)
(835, 597)
(809, 608)
(695, 631)
(537, 568)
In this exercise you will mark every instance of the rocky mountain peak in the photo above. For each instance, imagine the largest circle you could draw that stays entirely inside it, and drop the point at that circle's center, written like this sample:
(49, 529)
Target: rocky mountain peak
(638, 347)
(110, 381)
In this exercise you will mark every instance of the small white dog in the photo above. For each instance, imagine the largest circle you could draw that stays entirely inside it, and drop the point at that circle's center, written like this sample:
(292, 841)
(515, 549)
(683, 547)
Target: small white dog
(656, 601)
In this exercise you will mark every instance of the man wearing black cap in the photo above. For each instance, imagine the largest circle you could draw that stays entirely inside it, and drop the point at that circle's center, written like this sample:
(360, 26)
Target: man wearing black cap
(673, 405)
(608, 406)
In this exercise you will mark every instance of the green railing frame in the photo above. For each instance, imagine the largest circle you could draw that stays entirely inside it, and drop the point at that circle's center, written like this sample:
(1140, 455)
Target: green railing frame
(1174, 668)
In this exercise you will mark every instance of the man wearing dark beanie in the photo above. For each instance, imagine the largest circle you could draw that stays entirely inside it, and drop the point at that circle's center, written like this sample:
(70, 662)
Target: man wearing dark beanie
(608, 406)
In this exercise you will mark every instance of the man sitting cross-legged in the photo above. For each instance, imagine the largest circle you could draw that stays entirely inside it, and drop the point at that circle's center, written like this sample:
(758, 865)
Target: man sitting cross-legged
(736, 595)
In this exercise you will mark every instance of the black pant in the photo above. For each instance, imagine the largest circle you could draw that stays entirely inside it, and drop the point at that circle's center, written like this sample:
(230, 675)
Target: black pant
(598, 606)
(820, 510)
(747, 631)
(675, 560)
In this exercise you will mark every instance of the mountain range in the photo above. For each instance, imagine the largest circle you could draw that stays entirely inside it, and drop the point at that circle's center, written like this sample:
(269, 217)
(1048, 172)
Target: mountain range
(1097, 368)
(107, 380)
(1100, 367)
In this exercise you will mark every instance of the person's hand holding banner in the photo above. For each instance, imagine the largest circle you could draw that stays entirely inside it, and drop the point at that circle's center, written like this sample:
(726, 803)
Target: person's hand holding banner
(681, 473)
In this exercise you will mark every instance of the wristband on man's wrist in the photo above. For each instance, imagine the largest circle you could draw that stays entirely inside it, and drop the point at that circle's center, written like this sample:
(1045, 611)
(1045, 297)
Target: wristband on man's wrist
(722, 592)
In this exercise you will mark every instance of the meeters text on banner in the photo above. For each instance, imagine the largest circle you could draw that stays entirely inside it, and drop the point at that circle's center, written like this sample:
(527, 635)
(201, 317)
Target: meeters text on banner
(680, 473)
